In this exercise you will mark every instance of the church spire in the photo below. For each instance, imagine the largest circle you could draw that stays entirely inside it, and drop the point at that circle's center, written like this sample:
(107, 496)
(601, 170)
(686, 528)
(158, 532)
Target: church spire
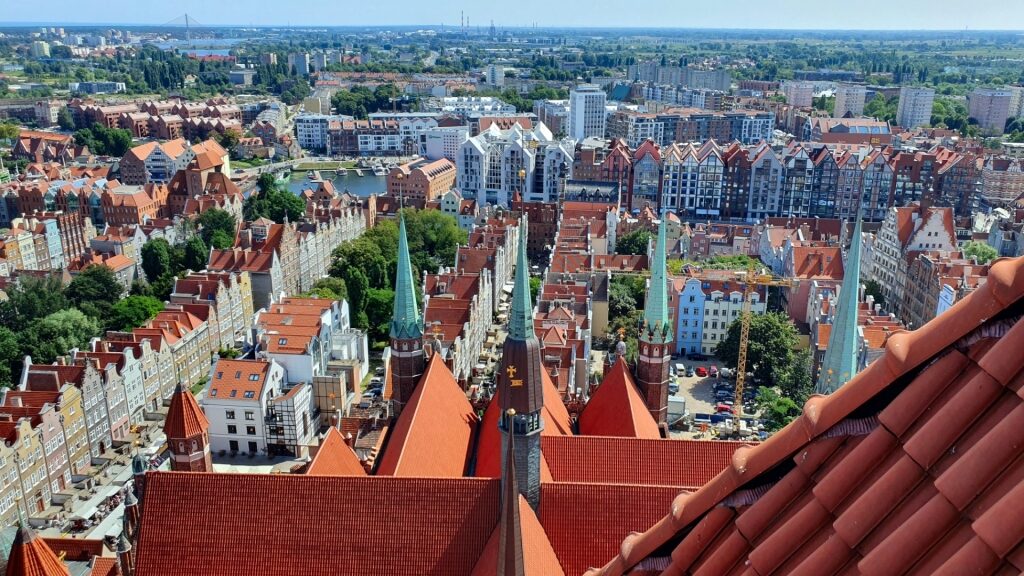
(841, 357)
(656, 335)
(30, 556)
(405, 321)
(510, 544)
(656, 325)
(520, 321)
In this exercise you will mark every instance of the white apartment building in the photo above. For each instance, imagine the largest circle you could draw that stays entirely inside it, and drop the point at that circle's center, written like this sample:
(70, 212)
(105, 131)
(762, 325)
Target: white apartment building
(311, 130)
(495, 75)
(915, 107)
(849, 100)
(444, 142)
(412, 127)
(723, 306)
(496, 164)
(465, 105)
(799, 93)
(300, 62)
(587, 112)
(991, 108)
(236, 400)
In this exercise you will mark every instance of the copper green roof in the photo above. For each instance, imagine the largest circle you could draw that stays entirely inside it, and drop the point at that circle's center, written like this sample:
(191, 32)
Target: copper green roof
(520, 320)
(405, 321)
(841, 358)
(656, 319)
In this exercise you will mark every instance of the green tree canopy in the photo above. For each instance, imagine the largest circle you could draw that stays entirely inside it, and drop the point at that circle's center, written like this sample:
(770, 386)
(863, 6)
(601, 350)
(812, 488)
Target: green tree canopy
(195, 254)
(94, 289)
(330, 288)
(980, 251)
(776, 410)
(635, 242)
(769, 348)
(156, 258)
(358, 287)
(104, 141)
(379, 309)
(132, 312)
(216, 220)
(873, 288)
(10, 357)
(222, 241)
(51, 336)
(273, 202)
(32, 298)
(65, 120)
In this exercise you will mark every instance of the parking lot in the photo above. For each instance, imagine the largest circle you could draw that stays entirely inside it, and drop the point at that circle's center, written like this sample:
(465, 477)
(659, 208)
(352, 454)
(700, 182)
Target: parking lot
(698, 391)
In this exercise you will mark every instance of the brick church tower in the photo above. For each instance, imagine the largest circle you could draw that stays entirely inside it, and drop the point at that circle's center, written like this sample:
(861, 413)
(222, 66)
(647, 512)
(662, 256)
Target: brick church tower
(407, 358)
(655, 344)
(521, 388)
(187, 433)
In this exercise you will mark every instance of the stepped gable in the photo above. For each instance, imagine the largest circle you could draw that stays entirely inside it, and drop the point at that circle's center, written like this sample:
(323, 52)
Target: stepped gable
(335, 458)
(314, 525)
(913, 465)
(616, 408)
(434, 434)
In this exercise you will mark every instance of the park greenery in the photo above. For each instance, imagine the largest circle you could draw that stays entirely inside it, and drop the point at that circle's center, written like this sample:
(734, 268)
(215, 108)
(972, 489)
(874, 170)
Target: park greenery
(980, 251)
(274, 202)
(104, 141)
(633, 243)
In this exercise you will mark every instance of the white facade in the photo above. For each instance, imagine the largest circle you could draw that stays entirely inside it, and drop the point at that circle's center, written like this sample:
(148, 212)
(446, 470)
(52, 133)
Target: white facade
(721, 310)
(237, 421)
(915, 108)
(311, 131)
(849, 99)
(587, 112)
(799, 93)
(444, 142)
(991, 108)
(495, 75)
(300, 62)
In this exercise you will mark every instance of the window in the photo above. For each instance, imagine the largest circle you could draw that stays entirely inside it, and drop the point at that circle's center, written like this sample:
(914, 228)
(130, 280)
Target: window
(234, 393)
(254, 377)
(232, 429)
(233, 445)
(220, 375)
(229, 414)
(249, 416)
(250, 430)
(249, 394)
(252, 447)
(213, 393)
(238, 374)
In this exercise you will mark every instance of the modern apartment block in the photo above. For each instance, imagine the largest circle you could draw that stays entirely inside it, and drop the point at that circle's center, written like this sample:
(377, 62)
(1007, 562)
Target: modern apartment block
(799, 94)
(991, 108)
(586, 112)
(690, 125)
(849, 100)
(915, 107)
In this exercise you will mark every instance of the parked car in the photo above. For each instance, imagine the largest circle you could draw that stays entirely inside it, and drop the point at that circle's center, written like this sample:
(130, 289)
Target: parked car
(702, 371)
(689, 371)
(673, 388)
(720, 408)
(713, 371)
(698, 357)
(373, 393)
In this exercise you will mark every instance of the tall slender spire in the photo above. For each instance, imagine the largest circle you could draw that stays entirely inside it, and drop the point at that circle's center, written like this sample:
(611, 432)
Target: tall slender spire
(405, 322)
(841, 357)
(520, 321)
(656, 318)
(510, 543)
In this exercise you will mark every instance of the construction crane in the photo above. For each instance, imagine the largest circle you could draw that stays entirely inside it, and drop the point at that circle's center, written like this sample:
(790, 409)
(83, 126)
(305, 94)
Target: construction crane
(751, 281)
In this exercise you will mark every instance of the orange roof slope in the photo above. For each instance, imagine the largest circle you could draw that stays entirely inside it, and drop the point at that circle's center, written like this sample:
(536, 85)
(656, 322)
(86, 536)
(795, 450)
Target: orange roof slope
(488, 452)
(335, 458)
(914, 466)
(539, 557)
(616, 460)
(616, 408)
(433, 435)
(184, 417)
(30, 556)
(374, 526)
(586, 523)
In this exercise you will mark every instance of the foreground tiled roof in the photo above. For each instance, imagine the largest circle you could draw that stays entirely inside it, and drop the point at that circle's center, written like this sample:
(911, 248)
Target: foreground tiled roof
(184, 417)
(30, 556)
(616, 409)
(914, 466)
(434, 433)
(313, 525)
(612, 460)
(335, 458)
(538, 556)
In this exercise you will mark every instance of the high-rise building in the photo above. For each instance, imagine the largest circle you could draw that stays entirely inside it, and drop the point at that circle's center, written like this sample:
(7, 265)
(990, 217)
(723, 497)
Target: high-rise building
(495, 75)
(586, 112)
(990, 107)
(799, 94)
(915, 108)
(849, 100)
(40, 49)
(299, 62)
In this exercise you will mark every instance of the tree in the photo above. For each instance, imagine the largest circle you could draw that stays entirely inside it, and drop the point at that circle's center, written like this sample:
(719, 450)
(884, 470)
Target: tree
(379, 309)
(776, 409)
(797, 383)
(93, 290)
(330, 288)
(228, 139)
(620, 301)
(31, 298)
(104, 141)
(980, 251)
(65, 120)
(195, 254)
(769, 347)
(363, 254)
(132, 312)
(51, 336)
(272, 202)
(9, 130)
(10, 357)
(358, 286)
(156, 258)
(216, 220)
(221, 240)
(534, 288)
(635, 242)
(874, 289)
(433, 238)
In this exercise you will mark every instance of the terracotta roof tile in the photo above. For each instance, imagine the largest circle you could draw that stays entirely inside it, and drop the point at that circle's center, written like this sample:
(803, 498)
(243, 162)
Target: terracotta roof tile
(378, 526)
(239, 378)
(912, 467)
(105, 566)
(539, 557)
(78, 549)
(31, 556)
(616, 409)
(434, 433)
(184, 417)
(334, 457)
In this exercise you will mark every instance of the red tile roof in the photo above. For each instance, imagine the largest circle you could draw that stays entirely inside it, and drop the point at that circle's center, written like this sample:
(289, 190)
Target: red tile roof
(434, 433)
(314, 525)
(586, 523)
(912, 467)
(239, 378)
(30, 556)
(616, 460)
(105, 566)
(539, 557)
(616, 408)
(184, 417)
(335, 458)
(78, 549)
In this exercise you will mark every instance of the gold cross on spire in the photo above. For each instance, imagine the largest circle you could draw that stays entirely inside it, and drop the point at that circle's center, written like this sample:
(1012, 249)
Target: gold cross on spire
(511, 370)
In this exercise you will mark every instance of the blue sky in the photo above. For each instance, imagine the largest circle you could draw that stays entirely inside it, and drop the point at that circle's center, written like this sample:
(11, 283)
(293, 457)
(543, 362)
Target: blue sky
(859, 14)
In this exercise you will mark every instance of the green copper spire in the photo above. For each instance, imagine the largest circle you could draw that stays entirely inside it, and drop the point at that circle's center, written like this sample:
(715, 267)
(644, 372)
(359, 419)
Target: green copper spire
(841, 357)
(656, 323)
(405, 322)
(520, 320)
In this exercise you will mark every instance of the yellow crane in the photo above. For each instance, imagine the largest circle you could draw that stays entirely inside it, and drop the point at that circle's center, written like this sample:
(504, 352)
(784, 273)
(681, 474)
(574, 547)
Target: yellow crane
(751, 281)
